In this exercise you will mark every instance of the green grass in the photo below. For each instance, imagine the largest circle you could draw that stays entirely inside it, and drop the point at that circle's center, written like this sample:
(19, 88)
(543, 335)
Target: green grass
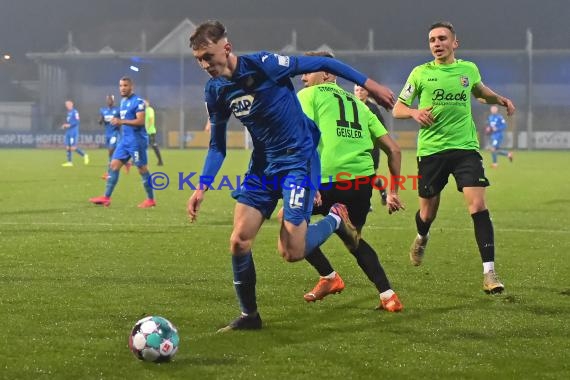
(74, 278)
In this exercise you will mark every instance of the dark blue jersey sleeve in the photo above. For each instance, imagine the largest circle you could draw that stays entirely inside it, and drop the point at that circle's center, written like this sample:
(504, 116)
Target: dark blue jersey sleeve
(74, 118)
(278, 66)
(216, 152)
(219, 116)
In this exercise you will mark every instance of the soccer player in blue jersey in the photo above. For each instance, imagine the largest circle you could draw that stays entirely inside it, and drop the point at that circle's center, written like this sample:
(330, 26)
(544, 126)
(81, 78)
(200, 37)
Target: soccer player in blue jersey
(258, 90)
(497, 126)
(133, 144)
(71, 127)
(112, 132)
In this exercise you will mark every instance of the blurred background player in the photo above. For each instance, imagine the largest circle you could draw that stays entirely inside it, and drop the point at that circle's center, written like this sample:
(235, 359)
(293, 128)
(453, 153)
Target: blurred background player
(447, 142)
(133, 144)
(496, 127)
(112, 133)
(71, 127)
(150, 123)
(349, 131)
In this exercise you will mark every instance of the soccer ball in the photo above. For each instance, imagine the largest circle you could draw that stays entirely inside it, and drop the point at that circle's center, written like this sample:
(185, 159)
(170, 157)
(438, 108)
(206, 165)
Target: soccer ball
(154, 339)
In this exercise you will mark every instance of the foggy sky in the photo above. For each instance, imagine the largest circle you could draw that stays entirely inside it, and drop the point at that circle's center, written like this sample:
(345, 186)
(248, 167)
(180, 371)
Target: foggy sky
(42, 25)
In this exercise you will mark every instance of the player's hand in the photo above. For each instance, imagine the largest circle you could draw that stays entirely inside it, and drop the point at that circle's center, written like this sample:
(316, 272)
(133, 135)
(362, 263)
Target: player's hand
(423, 116)
(194, 204)
(393, 203)
(382, 94)
(318, 201)
(510, 106)
(116, 121)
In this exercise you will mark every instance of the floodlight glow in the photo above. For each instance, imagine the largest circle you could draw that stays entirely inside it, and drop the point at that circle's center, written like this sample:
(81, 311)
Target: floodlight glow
(7, 56)
(134, 68)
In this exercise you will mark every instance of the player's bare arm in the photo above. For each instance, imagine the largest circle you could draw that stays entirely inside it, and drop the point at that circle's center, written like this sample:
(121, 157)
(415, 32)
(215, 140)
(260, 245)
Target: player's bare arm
(382, 94)
(423, 116)
(392, 150)
(480, 91)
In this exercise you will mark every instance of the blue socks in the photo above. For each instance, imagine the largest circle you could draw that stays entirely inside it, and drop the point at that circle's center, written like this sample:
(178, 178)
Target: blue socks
(244, 282)
(147, 186)
(80, 152)
(111, 182)
(68, 155)
(318, 233)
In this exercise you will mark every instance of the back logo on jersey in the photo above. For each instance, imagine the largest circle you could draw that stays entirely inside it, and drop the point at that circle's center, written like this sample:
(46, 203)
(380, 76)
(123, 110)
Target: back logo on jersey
(242, 106)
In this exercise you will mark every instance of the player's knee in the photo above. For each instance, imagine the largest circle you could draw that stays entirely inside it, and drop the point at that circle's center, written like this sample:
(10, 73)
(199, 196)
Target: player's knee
(239, 244)
(477, 206)
(428, 216)
(292, 255)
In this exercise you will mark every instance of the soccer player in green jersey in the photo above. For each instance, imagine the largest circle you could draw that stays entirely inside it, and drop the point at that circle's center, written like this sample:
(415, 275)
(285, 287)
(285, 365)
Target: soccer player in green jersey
(150, 124)
(447, 141)
(349, 132)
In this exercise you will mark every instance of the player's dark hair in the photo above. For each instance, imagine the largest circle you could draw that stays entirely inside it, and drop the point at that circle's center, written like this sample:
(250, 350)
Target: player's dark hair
(321, 53)
(126, 79)
(443, 24)
(206, 33)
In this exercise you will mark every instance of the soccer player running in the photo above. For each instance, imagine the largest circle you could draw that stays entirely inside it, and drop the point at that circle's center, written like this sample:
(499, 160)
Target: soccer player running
(257, 89)
(150, 124)
(71, 127)
(447, 142)
(497, 127)
(362, 95)
(112, 132)
(349, 133)
(133, 144)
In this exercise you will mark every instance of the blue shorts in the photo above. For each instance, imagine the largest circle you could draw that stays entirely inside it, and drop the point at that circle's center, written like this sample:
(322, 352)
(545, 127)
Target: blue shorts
(71, 137)
(137, 153)
(496, 141)
(112, 139)
(297, 187)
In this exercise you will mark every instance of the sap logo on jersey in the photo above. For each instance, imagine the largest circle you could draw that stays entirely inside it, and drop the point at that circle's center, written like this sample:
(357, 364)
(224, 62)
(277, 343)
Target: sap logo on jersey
(242, 105)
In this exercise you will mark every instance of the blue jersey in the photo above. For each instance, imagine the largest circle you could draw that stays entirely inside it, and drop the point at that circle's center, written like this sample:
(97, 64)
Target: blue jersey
(107, 113)
(261, 95)
(133, 135)
(498, 123)
(72, 119)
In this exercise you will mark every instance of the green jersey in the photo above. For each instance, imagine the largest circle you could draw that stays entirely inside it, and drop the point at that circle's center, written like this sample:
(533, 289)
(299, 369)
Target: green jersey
(348, 131)
(446, 88)
(149, 122)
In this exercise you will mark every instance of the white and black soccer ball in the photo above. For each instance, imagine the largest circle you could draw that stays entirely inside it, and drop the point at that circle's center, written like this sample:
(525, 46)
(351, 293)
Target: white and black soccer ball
(154, 339)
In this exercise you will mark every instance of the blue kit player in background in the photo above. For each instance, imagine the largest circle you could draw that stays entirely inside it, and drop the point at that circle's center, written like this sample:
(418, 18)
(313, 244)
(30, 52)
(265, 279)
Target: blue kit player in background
(133, 144)
(112, 133)
(496, 127)
(258, 90)
(71, 127)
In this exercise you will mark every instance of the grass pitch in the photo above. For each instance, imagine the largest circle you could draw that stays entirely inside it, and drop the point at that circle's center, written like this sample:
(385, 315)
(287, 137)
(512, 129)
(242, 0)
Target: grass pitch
(74, 278)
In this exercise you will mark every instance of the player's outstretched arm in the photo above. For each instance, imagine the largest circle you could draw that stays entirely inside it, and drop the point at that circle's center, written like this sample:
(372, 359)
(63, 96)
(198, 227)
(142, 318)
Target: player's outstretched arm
(309, 64)
(382, 94)
(480, 91)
